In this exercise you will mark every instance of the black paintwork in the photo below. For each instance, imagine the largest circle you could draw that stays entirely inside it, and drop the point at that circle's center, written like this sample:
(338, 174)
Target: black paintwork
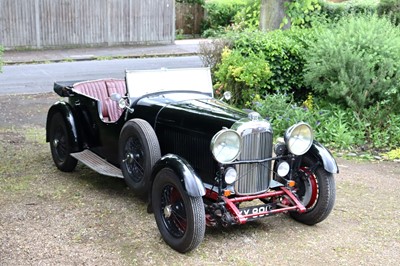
(183, 128)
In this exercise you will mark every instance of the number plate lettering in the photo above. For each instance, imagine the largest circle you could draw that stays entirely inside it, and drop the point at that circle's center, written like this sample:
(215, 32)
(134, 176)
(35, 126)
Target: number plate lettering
(255, 210)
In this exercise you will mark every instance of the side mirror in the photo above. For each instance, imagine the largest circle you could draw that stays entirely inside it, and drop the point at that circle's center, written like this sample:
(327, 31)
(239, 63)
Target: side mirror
(122, 101)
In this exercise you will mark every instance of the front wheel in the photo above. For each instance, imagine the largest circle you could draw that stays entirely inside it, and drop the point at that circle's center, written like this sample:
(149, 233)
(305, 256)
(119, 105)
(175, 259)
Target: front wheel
(139, 150)
(316, 191)
(180, 218)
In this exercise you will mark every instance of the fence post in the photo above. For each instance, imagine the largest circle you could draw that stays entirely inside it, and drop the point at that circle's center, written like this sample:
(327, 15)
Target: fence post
(37, 25)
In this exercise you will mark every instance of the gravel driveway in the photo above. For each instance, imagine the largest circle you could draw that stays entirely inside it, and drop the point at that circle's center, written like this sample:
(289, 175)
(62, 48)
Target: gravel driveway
(48, 217)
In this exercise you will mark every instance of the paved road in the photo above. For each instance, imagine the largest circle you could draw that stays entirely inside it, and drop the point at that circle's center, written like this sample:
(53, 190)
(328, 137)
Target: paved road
(39, 78)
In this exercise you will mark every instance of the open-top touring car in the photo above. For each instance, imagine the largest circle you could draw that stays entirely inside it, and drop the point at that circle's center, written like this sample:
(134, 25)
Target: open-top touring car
(199, 161)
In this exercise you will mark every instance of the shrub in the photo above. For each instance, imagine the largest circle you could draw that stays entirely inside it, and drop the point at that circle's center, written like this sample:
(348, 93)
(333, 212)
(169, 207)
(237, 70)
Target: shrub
(335, 11)
(357, 63)
(300, 12)
(220, 14)
(211, 52)
(249, 16)
(244, 76)
(381, 128)
(284, 53)
(331, 126)
(390, 8)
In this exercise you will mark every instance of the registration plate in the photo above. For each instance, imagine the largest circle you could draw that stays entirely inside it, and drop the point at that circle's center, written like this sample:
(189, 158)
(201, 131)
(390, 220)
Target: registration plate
(255, 210)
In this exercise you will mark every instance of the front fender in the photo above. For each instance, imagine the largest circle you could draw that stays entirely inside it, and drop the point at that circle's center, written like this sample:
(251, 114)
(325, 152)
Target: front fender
(322, 153)
(66, 111)
(188, 177)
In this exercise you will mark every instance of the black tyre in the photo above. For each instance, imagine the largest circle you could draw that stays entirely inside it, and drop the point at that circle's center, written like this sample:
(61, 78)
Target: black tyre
(316, 192)
(60, 144)
(180, 218)
(139, 150)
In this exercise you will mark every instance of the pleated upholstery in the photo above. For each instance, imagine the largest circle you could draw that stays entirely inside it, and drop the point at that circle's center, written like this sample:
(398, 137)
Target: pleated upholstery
(101, 90)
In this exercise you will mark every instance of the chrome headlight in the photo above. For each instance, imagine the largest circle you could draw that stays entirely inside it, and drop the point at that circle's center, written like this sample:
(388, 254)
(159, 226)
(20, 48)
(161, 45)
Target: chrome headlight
(225, 145)
(283, 169)
(299, 138)
(230, 175)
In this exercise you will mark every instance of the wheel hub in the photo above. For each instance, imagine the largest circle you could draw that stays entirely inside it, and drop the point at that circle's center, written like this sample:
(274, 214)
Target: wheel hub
(129, 158)
(167, 211)
(55, 143)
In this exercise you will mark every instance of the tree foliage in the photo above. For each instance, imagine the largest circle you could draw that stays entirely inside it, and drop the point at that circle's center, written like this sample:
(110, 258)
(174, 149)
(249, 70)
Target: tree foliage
(300, 11)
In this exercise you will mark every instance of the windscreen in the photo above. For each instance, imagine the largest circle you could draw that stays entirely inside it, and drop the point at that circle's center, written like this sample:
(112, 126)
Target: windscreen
(142, 82)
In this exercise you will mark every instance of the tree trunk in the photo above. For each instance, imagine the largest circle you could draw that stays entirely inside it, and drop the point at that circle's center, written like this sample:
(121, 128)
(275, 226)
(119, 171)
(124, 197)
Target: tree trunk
(272, 13)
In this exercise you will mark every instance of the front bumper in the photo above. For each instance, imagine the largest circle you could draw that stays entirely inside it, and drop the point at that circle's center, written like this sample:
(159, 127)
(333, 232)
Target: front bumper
(279, 199)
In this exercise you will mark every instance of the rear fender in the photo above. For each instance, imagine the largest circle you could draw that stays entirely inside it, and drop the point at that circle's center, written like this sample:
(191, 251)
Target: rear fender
(188, 177)
(66, 111)
(320, 152)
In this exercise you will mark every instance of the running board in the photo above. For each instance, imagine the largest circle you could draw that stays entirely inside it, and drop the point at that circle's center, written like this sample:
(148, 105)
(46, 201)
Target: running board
(98, 164)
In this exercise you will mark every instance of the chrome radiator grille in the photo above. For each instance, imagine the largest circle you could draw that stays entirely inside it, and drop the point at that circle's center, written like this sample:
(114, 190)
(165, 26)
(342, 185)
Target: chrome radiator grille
(254, 178)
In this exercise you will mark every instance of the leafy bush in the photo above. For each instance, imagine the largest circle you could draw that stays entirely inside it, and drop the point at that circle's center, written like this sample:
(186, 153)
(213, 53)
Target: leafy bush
(244, 76)
(335, 11)
(284, 53)
(300, 12)
(211, 52)
(393, 154)
(390, 8)
(249, 16)
(380, 127)
(357, 63)
(331, 125)
(220, 14)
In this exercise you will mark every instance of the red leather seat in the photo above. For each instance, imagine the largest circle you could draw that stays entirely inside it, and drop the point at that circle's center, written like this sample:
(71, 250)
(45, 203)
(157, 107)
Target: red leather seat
(101, 90)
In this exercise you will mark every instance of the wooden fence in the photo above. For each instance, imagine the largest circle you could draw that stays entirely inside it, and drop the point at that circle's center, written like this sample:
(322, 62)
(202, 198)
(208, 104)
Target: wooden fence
(37, 24)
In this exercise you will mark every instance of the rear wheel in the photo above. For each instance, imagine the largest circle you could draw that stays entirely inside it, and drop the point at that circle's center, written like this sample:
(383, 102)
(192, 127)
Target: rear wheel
(316, 191)
(60, 144)
(139, 150)
(180, 218)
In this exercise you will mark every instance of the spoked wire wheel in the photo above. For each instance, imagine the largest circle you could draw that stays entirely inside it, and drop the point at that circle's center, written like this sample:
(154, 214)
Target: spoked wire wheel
(316, 191)
(134, 159)
(180, 217)
(139, 150)
(173, 211)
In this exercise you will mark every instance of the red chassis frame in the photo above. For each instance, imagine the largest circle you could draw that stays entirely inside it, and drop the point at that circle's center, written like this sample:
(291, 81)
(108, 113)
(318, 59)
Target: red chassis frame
(291, 204)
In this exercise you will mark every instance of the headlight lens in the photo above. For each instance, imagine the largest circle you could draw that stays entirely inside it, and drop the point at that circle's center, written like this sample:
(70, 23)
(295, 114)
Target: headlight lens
(230, 175)
(225, 146)
(299, 138)
(283, 169)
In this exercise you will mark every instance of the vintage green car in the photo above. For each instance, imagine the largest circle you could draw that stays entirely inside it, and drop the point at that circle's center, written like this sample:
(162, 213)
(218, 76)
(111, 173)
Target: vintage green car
(199, 161)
